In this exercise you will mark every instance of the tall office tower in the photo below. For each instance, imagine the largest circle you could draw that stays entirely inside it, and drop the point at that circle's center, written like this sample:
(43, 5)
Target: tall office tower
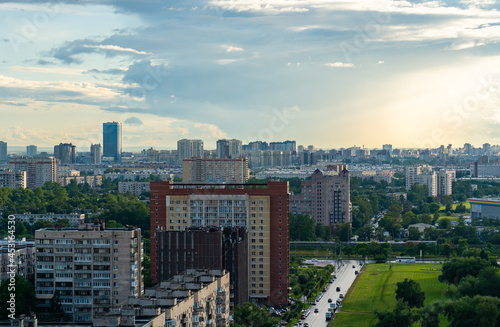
(112, 140)
(38, 170)
(228, 148)
(95, 154)
(31, 150)
(198, 170)
(262, 211)
(326, 198)
(93, 268)
(189, 148)
(207, 248)
(65, 153)
(3, 151)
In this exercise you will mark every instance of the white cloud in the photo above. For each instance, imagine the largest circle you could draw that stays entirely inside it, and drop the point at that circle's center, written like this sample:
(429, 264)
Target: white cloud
(230, 48)
(380, 62)
(461, 45)
(340, 64)
(65, 71)
(227, 61)
(115, 48)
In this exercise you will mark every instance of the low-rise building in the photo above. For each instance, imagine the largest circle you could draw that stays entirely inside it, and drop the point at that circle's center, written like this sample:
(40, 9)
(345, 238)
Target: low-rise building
(136, 188)
(480, 208)
(91, 180)
(29, 218)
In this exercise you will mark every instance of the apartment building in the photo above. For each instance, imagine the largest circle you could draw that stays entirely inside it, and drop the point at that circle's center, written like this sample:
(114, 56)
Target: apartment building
(262, 209)
(189, 148)
(65, 153)
(228, 148)
(207, 248)
(95, 154)
(38, 170)
(200, 170)
(93, 268)
(92, 180)
(438, 183)
(23, 259)
(12, 179)
(29, 218)
(136, 188)
(326, 198)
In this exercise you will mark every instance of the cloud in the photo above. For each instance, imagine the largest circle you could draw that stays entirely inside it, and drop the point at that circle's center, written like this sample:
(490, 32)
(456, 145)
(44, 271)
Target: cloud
(115, 48)
(340, 64)
(111, 71)
(465, 45)
(133, 121)
(64, 71)
(380, 62)
(230, 48)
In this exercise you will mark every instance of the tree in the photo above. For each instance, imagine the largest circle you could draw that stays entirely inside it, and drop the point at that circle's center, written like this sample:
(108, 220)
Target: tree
(456, 269)
(444, 223)
(476, 311)
(401, 316)
(430, 234)
(365, 233)
(249, 314)
(25, 297)
(302, 228)
(409, 292)
(414, 234)
(343, 232)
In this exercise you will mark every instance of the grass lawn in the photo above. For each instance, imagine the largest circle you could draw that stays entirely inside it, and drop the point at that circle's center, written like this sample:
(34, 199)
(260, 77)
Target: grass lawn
(452, 218)
(454, 206)
(375, 289)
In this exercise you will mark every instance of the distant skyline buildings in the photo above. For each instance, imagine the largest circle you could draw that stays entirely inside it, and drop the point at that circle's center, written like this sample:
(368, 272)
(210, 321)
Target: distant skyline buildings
(95, 154)
(112, 140)
(31, 150)
(3, 151)
(65, 153)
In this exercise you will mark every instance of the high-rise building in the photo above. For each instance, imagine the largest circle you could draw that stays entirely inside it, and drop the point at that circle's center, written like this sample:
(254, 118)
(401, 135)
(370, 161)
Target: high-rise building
(95, 154)
(445, 180)
(3, 151)
(207, 248)
(228, 148)
(188, 148)
(388, 148)
(199, 170)
(93, 268)
(283, 146)
(112, 140)
(12, 179)
(31, 151)
(38, 170)
(65, 153)
(263, 211)
(438, 183)
(326, 198)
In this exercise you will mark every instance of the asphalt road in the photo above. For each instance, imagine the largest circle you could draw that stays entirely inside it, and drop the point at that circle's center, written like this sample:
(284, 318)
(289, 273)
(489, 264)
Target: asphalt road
(345, 278)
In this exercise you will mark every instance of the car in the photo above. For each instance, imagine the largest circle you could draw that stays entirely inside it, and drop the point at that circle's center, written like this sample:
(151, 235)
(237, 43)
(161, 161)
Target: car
(316, 310)
(314, 260)
(353, 266)
(334, 276)
(355, 272)
(329, 300)
(300, 323)
(324, 289)
(341, 295)
(338, 289)
(306, 324)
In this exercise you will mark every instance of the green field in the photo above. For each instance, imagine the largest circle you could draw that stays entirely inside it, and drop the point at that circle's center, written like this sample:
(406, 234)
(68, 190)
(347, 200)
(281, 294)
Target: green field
(454, 206)
(375, 289)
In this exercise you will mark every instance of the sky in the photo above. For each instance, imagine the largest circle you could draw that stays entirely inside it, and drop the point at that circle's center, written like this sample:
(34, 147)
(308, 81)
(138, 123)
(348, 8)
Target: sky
(329, 73)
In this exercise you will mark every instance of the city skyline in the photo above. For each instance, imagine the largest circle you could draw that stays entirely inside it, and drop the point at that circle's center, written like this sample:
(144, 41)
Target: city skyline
(326, 72)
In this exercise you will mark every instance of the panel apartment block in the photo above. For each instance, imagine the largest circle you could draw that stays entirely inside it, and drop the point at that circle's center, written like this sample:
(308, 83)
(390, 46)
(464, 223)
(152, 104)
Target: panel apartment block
(262, 209)
(199, 170)
(93, 268)
(38, 170)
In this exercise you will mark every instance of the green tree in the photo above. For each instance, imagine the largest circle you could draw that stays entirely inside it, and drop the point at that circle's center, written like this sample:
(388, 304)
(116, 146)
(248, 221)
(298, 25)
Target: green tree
(25, 297)
(343, 232)
(251, 315)
(409, 292)
(414, 234)
(401, 316)
(456, 269)
(477, 311)
(302, 228)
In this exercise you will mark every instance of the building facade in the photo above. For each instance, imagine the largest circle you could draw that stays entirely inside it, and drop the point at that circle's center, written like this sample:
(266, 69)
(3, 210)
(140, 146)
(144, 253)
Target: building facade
(12, 179)
(65, 153)
(112, 141)
(92, 180)
(23, 259)
(480, 208)
(199, 170)
(31, 150)
(207, 248)
(93, 268)
(74, 219)
(189, 148)
(3, 151)
(326, 198)
(263, 211)
(38, 170)
(228, 148)
(95, 154)
(136, 188)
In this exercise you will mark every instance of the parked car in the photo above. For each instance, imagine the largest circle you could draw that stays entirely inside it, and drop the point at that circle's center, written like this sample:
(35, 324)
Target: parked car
(341, 295)
(329, 300)
(338, 289)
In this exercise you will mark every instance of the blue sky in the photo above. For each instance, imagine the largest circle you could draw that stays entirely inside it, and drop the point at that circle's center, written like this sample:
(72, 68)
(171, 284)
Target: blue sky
(325, 72)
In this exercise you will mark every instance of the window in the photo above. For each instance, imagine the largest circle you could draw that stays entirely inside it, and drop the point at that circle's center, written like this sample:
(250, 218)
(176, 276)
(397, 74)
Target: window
(115, 250)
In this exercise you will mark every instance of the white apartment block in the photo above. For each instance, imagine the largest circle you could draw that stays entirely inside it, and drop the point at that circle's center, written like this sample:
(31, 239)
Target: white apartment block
(93, 268)
(29, 218)
(38, 170)
(136, 188)
(438, 183)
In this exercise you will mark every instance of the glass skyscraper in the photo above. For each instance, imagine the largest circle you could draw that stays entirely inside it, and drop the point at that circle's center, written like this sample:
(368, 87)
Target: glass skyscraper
(112, 140)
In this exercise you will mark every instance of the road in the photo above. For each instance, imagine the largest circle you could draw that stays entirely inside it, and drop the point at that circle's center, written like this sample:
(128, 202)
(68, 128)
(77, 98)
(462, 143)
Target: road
(345, 278)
